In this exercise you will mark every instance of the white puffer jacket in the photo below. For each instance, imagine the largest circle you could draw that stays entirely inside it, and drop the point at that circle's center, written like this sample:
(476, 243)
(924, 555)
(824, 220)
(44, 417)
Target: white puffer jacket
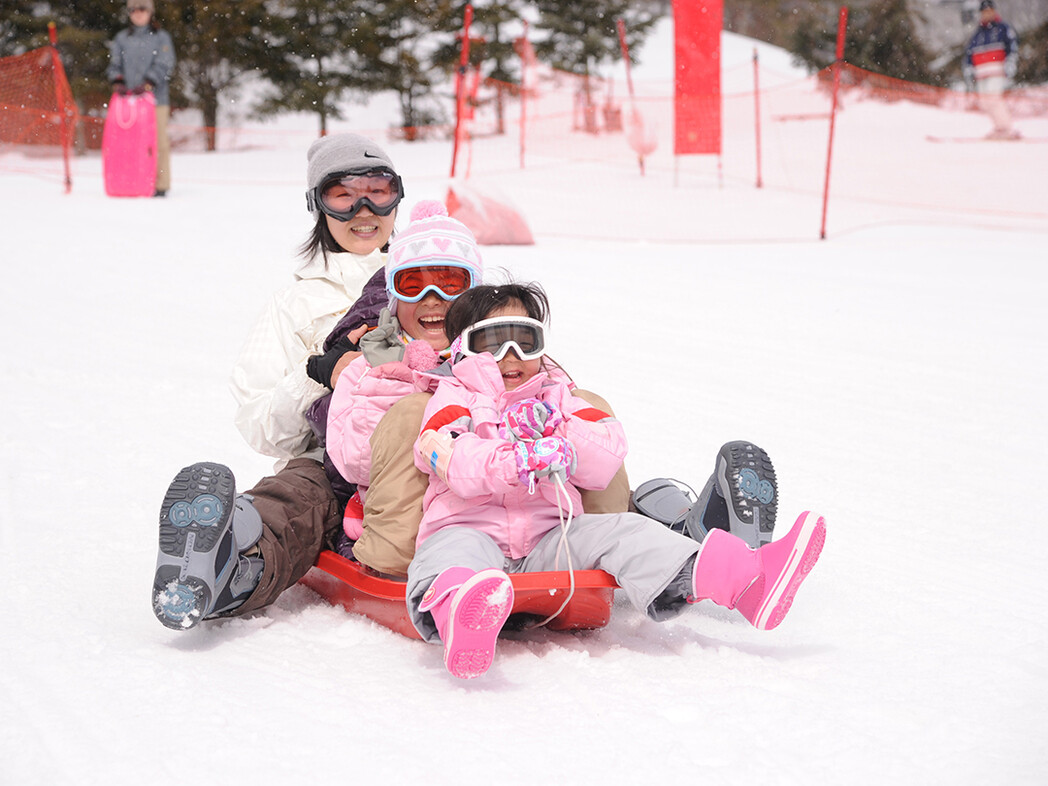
(269, 380)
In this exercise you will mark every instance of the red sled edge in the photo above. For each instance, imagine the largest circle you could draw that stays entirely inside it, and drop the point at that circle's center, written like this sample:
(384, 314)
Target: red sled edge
(349, 584)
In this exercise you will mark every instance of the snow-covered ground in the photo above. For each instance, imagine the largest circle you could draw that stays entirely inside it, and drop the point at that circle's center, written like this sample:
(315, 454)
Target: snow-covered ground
(895, 372)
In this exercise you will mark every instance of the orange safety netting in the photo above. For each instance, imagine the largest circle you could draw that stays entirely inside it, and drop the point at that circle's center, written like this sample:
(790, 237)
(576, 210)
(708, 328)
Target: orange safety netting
(576, 118)
(887, 156)
(896, 145)
(36, 103)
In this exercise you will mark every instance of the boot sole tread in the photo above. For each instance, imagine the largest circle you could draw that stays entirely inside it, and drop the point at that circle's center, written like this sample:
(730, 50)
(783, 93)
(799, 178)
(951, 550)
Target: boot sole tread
(749, 475)
(195, 521)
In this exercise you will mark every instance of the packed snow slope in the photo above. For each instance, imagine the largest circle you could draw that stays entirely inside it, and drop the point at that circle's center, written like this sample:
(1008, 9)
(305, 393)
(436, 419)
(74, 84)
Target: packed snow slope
(894, 371)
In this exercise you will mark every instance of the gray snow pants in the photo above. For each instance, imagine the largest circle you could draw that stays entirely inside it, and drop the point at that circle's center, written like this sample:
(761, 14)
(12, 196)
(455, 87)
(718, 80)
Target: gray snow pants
(642, 555)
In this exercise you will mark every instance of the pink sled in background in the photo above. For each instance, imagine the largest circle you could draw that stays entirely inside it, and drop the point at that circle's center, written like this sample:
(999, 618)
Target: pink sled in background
(129, 146)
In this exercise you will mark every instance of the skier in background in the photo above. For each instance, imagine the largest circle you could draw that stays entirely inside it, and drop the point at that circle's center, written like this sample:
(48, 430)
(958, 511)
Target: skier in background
(141, 59)
(990, 63)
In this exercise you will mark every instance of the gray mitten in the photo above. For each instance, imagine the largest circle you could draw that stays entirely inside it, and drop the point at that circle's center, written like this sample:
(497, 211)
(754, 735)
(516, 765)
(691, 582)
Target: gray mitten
(383, 344)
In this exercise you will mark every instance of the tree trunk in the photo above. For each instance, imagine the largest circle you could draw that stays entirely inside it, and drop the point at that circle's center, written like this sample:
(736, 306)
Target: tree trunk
(500, 119)
(209, 106)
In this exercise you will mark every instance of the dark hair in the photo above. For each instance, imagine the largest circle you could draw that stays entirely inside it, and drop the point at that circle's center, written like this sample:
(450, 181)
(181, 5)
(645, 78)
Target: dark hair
(476, 304)
(321, 241)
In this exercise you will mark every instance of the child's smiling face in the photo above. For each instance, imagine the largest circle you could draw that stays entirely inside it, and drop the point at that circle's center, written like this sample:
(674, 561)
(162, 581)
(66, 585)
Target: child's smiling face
(515, 372)
(425, 320)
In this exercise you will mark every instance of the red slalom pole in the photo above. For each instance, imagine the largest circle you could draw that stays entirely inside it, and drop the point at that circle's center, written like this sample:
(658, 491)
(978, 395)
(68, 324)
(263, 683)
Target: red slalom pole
(524, 64)
(460, 84)
(621, 25)
(842, 25)
(757, 113)
(58, 73)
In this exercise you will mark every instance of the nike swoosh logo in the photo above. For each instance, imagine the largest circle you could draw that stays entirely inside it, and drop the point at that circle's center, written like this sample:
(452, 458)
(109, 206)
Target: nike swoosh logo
(368, 155)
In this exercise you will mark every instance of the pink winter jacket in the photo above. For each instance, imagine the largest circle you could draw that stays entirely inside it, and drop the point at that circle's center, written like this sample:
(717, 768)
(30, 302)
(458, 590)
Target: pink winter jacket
(360, 399)
(483, 489)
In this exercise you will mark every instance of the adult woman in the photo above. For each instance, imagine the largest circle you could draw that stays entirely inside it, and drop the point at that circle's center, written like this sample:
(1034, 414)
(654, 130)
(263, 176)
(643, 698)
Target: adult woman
(226, 554)
(141, 59)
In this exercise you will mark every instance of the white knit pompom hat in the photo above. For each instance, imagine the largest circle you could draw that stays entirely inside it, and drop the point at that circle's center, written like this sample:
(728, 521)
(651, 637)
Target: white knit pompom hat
(432, 238)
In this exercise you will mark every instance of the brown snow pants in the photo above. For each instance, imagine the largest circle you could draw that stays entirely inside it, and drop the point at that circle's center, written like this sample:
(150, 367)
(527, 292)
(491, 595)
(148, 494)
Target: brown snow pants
(300, 516)
(393, 503)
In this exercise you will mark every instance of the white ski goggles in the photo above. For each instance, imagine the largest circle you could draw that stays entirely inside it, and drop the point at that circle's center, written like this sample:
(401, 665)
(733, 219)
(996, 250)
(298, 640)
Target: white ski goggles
(498, 335)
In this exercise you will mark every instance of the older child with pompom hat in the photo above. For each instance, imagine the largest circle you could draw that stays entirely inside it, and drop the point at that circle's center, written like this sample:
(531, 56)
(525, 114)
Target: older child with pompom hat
(430, 263)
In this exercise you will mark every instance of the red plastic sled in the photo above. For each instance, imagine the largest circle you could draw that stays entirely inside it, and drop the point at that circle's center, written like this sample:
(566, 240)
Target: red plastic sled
(129, 146)
(357, 589)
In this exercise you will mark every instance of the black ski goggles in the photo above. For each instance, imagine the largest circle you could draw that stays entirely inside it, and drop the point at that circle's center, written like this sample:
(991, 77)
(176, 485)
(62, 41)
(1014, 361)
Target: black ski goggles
(499, 335)
(341, 195)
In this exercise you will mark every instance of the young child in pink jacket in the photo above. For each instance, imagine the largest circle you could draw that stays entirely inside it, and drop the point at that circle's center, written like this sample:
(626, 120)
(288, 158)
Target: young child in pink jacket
(502, 437)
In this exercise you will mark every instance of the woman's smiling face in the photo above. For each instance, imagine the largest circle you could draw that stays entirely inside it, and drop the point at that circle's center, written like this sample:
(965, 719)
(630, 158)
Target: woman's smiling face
(364, 233)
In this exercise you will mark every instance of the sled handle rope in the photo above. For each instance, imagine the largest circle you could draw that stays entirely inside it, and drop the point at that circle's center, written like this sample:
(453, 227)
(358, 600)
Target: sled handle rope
(565, 524)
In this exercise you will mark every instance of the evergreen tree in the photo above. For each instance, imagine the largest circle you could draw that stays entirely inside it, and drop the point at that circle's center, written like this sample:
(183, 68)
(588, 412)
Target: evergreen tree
(578, 37)
(322, 51)
(492, 33)
(413, 29)
(1033, 56)
(773, 21)
(21, 28)
(884, 39)
(83, 34)
(881, 37)
(217, 42)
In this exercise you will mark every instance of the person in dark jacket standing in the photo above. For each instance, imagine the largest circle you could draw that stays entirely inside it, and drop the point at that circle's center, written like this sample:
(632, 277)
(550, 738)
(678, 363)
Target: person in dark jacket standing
(141, 59)
(990, 62)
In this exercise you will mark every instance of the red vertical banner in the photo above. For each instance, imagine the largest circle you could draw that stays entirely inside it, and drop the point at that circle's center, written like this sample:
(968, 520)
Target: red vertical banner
(697, 90)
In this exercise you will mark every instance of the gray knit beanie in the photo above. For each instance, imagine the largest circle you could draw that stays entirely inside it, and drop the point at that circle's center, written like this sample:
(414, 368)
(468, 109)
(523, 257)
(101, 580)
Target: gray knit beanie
(342, 153)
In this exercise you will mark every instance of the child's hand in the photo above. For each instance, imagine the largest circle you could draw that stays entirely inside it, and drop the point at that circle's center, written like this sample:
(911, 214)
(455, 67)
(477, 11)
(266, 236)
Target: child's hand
(437, 448)
(529, 420)
(383, 344)
(545, 457)
(358, 333)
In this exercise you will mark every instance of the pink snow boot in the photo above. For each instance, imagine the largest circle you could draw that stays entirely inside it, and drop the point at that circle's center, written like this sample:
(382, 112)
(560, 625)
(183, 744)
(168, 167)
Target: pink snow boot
(759, 583)
(469, 610)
